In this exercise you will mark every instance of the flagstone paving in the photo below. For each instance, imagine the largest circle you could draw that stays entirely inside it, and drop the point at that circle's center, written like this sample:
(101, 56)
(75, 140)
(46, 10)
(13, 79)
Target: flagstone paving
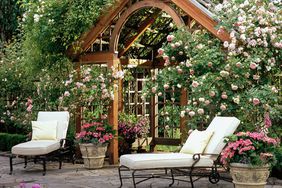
(76, 176)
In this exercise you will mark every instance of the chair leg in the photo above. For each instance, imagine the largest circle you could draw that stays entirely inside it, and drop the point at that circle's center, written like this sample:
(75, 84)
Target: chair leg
(44, 165)
(120, 178)
(133, 178)
(172, 178)
(191, 178)
(11, 164)
(25, 161)
(60, 160)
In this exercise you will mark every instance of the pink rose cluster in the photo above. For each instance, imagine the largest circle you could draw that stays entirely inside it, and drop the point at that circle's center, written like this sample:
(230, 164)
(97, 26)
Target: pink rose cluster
(95, 132)
(249, 147)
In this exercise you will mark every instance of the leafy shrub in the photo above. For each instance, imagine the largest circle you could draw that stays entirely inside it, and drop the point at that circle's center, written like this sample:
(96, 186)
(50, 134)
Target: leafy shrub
(7, 141)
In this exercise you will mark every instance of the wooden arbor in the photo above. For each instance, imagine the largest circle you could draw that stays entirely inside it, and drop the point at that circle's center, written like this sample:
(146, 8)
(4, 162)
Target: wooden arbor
(101, 44)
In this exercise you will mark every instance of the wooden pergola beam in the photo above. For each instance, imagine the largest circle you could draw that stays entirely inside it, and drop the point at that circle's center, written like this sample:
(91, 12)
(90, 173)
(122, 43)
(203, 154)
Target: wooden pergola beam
(88, 38)
(203, 19)
(97, 57)
(144, 25)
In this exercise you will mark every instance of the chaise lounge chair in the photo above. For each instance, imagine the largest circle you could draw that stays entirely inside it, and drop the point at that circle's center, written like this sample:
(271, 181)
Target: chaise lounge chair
(48, 140)
(200, 151)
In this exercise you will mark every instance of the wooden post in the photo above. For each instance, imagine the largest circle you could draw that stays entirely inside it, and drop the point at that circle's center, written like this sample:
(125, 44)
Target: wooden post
(113, 118)
(78, 109)
(183, 120)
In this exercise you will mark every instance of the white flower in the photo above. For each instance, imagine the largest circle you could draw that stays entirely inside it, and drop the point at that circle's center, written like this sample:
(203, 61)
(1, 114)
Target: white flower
(234, 87)
(66, 94)
(191, 113)
(218, 7)
(200, 111)
(36, 17)
(201, 99)
(225, 44)
(182, 114)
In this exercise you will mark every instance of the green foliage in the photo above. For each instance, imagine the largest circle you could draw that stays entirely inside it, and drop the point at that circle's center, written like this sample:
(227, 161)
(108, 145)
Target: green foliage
(10, 11)
(51, 27)
(7, 141)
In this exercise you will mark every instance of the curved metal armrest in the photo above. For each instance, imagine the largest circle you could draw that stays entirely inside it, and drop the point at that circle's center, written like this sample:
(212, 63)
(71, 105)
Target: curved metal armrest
(197, 156)
(64, 142)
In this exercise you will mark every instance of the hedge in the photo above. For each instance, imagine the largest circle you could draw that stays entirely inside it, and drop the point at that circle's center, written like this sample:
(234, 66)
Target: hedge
(7, 141)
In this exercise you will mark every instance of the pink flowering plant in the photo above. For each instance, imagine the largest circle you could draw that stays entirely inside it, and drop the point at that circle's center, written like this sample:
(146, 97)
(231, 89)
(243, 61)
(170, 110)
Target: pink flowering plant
(255, 148)
(95, 132)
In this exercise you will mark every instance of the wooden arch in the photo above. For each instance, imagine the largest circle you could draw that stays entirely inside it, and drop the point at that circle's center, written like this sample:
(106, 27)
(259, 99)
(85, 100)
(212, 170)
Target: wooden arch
(134, 8)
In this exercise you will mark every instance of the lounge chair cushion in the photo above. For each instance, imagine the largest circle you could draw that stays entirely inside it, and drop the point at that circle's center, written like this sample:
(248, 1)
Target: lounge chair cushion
(44, 130)
(63, 120)
(196, 142)
(162, 160)
(222, 127)
(36, 147)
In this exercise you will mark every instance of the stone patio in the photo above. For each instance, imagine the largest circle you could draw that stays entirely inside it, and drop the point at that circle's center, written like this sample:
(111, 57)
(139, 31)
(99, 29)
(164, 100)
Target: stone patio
(76, 176)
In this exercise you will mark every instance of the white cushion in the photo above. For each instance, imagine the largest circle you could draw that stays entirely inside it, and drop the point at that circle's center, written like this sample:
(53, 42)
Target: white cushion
(63, 121)
(162, 160)
(44, 130)
(196, 142)
(36, 147)
(222, 127)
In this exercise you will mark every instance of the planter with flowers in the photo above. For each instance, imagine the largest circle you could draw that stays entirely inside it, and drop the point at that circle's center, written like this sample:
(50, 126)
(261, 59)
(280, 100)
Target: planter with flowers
(130, 128)
(93, 142)
(250, 156)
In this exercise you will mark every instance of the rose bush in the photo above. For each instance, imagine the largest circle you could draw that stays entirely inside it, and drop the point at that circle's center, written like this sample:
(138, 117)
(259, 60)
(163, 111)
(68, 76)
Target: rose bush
(91, 89)
(227, 79)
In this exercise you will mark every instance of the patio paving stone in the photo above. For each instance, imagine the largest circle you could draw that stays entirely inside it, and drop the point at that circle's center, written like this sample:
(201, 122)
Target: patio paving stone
(76, 176)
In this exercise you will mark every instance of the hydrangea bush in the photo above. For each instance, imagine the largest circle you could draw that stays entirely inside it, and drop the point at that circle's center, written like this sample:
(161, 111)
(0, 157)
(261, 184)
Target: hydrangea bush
(254, 148)
(96, 132)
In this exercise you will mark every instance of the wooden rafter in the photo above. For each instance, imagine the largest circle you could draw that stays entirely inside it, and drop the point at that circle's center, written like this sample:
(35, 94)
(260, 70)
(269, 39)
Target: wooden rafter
(88, 38)
(135, 7)
(144, 25)
(206, 21)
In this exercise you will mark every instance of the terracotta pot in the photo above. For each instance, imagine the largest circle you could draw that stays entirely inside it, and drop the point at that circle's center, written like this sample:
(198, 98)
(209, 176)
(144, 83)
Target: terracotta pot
(93, 155)
(247, 176)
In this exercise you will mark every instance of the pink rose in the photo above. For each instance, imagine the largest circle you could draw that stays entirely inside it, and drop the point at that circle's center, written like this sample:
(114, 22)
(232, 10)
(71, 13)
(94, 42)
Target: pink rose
(170, 38)
(191, 113)
(238, 64)
(207, 102)
(256, 101)
(195, 84)
(180, 71)
(253, 66)
(161, 51)
(165, 57)
(154, 89)
(212, 93)
(200, 111)
(166, 86)
(222, 107)
(223, 95)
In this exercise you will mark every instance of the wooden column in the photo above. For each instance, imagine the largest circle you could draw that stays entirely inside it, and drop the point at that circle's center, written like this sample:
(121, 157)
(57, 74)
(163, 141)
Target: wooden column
(183, 120)
(113, 118)
(78, 109)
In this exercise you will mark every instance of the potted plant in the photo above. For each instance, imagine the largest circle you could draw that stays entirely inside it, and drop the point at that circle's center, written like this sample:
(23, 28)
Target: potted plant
(131, 127)
(250, 156)
(93, 142)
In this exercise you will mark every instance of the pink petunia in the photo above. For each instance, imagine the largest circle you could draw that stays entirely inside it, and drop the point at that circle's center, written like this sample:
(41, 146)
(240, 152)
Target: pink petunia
(256, 101)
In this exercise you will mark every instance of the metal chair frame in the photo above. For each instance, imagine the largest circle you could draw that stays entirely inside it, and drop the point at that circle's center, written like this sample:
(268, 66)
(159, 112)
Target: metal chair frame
(65, 149)
(213, 175)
